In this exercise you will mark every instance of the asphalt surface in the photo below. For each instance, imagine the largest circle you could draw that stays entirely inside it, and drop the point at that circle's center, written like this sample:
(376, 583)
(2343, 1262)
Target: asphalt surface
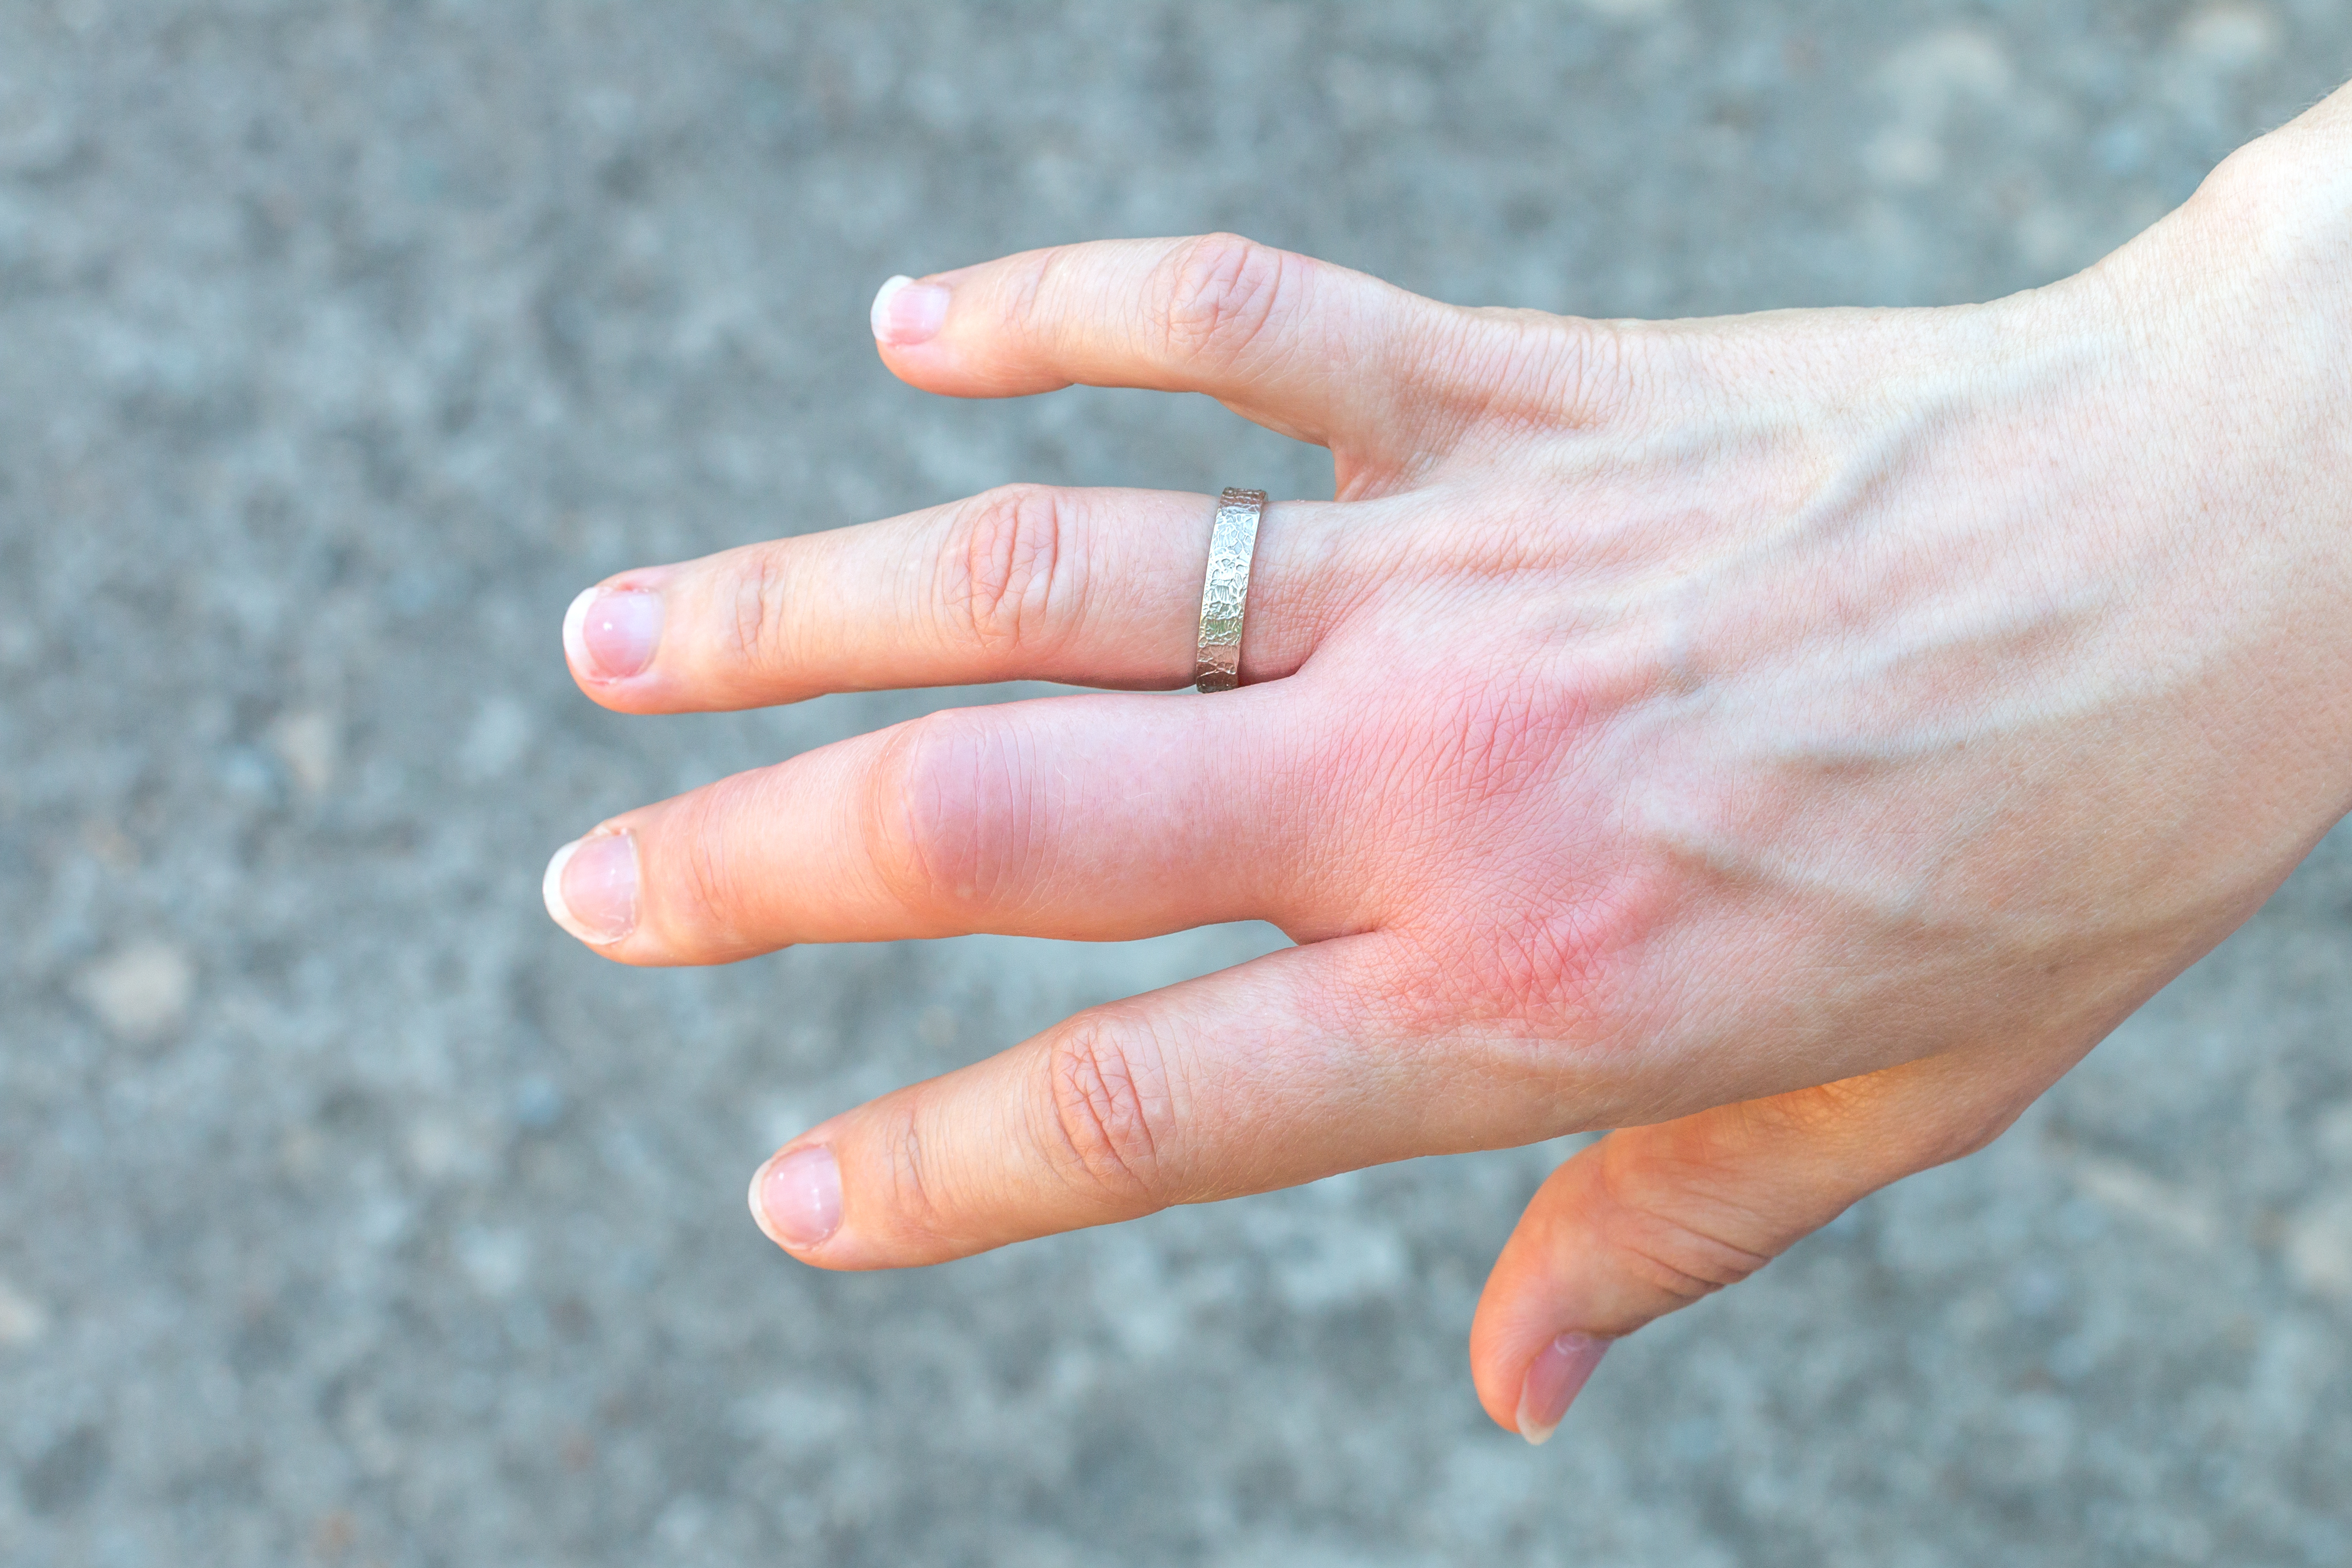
(350, 1213)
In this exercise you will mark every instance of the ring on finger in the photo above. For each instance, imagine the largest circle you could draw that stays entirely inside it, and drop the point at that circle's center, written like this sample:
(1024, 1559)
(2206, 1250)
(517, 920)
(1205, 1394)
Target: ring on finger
(1224, 594)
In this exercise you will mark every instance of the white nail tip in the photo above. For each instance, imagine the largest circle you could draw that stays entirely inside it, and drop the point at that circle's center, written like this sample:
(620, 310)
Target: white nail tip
(1537, 1434)
(879, 316)
(759, 1211)
(575, 629)
(550, 888)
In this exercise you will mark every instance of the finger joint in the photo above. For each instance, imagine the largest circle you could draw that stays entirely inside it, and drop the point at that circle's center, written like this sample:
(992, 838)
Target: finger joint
(1011, 573)
(1217, 298)
(948, 820)
(757, 624)
(697, 877)
(1682, 1257)
(1110, 1104)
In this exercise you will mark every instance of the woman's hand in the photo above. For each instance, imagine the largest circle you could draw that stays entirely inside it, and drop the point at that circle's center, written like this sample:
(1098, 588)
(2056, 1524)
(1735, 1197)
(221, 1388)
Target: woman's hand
(1794, 739)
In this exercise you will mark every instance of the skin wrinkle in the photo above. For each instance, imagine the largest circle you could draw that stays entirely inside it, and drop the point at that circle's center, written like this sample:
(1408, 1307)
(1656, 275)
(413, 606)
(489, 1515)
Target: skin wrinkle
(1222, 294)
(708, 875)
(1429, 355)
(1547, 977)
(1459, 400)
(1567, 376)
(1443, 355)
(1546, 974)
(1033, 284)
(1305, 369)
(760, 593)
(1432, 379)
(922, 1200)
(1433, 1068)
(1102, 1109)
(1674, 1258)
(1014, 549)
(1668, 1201)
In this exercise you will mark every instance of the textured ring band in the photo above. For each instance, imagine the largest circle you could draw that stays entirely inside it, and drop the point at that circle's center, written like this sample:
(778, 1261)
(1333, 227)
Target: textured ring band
(1226, 593)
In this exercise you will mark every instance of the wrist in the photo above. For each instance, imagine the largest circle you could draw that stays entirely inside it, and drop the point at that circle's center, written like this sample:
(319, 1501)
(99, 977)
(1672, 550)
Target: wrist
(2273, 225)
(2231, 325)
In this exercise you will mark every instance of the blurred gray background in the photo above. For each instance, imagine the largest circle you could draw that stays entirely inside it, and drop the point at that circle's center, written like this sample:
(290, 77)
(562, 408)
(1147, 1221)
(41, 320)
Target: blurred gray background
(350, 1213)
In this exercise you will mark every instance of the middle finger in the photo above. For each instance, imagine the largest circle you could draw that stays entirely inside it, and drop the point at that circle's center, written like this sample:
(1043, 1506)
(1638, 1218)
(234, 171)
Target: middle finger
(1098, 818)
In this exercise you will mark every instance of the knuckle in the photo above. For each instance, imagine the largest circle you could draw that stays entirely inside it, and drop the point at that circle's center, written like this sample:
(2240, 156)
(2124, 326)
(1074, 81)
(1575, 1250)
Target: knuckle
(1217, 295)
(1879, 1140)
(1821, 1116)
(1681, 1257)
(1032, 275)
(1600, 373)
(1110, 1106)
(946, 816)
(1524, 370)
(1956, 1137)
(1010, 574)
(1584, 372)
(1969, 1135)
(756, 624)
(2261, 190)
(699, 878)
(911, 1195)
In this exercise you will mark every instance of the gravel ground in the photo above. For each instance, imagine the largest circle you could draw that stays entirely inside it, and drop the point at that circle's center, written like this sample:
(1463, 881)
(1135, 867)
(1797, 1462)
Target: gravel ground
(350, 1213)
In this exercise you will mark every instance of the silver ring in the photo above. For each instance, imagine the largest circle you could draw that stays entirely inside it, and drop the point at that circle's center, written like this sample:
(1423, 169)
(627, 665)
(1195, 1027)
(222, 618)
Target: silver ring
(1225, 593)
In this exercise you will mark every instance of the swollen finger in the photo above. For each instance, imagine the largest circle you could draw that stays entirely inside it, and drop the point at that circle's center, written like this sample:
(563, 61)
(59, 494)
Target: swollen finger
(1100, 817)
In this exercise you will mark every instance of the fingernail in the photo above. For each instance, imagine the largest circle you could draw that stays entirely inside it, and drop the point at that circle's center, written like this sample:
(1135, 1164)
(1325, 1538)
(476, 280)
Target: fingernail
(1554, 1379)
(610, 636)
(797, 1199)
(590, 887)
(906, 312)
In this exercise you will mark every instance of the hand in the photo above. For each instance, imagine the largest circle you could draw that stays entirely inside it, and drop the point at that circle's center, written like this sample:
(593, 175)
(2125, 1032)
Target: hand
(1794, 740)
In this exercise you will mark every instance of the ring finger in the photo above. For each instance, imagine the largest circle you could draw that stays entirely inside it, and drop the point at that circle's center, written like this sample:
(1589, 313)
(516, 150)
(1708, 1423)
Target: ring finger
(1096, 587)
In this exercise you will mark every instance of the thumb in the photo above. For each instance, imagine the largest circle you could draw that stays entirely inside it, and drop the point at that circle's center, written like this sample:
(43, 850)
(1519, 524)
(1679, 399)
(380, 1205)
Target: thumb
(1652, 1218)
